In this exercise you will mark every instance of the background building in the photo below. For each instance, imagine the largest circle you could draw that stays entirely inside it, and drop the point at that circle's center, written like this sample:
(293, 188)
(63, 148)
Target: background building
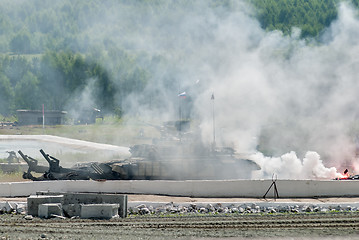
(34, 117)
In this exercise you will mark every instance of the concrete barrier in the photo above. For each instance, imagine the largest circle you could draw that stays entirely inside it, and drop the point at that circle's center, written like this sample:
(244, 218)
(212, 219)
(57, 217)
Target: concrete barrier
(192, 188)
(19, 189)
(72, 200)
(33, 203)
(101, 211)
(46, 210)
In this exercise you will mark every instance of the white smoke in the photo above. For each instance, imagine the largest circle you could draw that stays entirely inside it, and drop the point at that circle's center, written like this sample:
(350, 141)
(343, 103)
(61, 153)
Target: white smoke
(289, 166)
(282, 92)
(302, 92)
(83, 100)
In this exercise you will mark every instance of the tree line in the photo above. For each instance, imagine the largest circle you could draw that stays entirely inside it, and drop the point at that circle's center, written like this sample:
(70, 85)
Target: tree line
(49, 52)
(57, 77)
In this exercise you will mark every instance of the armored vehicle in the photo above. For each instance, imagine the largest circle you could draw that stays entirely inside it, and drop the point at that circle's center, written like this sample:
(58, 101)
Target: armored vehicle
(179, 154)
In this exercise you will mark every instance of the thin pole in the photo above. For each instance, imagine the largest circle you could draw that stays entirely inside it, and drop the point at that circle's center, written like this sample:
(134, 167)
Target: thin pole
(214, 125)
(180, 119)
(180, 111)
(179, 102)
(43, 116)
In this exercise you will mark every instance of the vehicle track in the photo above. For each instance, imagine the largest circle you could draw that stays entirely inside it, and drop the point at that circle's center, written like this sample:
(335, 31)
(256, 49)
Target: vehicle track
(334, 224)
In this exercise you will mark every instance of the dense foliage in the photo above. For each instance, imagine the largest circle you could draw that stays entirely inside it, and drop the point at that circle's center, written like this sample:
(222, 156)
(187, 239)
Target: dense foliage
(310, 16)
(52, 50)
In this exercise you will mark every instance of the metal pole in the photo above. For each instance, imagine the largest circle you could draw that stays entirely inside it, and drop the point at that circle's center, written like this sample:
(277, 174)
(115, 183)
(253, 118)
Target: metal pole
(179, 111)
(214, 125)
(180, 119)
(43, 116)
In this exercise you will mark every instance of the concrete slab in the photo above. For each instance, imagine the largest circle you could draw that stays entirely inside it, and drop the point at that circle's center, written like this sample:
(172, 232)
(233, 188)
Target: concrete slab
(71, 204)
(33, 202)
(99, 211)
(48, 209)
(92, 198)
(193, 188)
(31, 144)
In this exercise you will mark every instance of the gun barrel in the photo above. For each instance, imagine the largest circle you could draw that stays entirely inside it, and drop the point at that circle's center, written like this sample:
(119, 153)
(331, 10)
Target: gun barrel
(32, 163)
(46, 156)
(53, 162)
(23, 156)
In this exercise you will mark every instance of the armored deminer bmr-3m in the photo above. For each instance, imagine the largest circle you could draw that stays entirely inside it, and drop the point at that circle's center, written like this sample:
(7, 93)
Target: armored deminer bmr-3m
(177, 155)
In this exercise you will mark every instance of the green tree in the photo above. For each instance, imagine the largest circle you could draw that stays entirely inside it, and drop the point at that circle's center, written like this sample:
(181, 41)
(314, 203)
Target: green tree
(21, 43)
(6, 95)
(28, 92)
(15, 67)
(310, 16)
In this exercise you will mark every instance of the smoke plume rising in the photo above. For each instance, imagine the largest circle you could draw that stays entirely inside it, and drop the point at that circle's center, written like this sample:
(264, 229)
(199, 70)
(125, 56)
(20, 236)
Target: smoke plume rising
(288, 94)
(274, 95)
(290, 98)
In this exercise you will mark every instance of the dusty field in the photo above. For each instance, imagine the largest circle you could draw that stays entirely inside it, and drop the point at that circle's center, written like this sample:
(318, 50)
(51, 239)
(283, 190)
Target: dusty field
(333, 225)
(254, 226)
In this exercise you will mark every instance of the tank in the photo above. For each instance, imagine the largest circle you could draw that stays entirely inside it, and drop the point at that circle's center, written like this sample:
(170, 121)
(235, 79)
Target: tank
(179, 154)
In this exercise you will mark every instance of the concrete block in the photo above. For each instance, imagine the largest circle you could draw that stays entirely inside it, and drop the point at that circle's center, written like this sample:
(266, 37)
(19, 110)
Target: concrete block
(97, 198)
(71, 210)
(47, 209)
(101, 211)
(94, 198)
(33, 202)
(122, 211)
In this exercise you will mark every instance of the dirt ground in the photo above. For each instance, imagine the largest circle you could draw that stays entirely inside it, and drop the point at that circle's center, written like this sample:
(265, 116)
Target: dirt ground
(334, 225)
(235, 226)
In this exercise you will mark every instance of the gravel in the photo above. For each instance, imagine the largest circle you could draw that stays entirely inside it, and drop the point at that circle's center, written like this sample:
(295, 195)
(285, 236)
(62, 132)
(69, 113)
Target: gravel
(237, 208)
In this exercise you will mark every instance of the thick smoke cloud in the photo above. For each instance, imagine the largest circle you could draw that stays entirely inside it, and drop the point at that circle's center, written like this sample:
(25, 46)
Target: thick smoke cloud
(301, 94)
(279, 92)
(289, 166)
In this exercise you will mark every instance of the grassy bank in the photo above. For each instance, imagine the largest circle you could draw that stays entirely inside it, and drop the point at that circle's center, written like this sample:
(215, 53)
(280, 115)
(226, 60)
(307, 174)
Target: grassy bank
(109, 131)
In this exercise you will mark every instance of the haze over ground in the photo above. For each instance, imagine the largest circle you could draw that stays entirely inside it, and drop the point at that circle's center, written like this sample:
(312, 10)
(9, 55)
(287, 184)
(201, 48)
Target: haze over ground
(274, 93)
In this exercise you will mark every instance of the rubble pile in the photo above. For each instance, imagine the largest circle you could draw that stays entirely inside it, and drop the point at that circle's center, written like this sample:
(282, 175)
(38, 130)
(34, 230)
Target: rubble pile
(247, 208)
(12, 208)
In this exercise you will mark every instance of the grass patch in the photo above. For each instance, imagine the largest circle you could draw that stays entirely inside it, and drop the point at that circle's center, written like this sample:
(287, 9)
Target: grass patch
(7, 118)
(11, 177)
